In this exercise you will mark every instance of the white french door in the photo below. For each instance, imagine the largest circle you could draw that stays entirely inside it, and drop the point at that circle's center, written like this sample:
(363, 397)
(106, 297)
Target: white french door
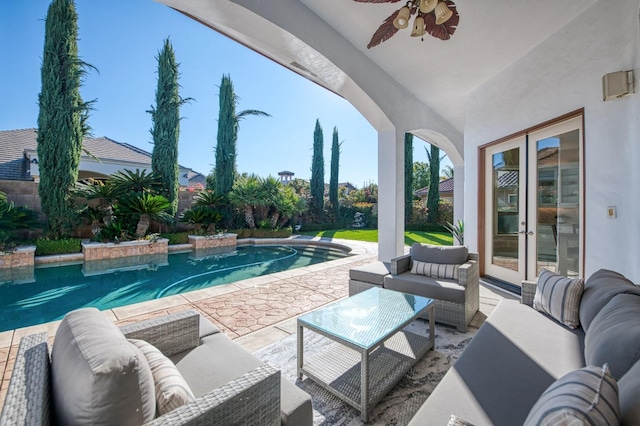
(533, 203)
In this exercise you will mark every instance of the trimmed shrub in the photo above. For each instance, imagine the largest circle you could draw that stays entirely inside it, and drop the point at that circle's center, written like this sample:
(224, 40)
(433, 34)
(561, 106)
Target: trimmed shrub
(313, 227)
(177, 237)
(46, 247)
(262, 233)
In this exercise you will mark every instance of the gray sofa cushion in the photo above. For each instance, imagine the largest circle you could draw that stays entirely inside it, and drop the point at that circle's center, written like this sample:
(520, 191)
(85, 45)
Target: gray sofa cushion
(503, 371)
(439, 254)
(614, 335)
(373, 273)
(581, 397)
(227, 361)
(421, 285)
(629, 386)
(98, 377)
(599, 289)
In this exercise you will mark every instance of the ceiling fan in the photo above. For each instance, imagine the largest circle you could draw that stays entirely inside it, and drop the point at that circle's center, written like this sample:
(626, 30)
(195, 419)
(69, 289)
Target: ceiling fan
(438, 18)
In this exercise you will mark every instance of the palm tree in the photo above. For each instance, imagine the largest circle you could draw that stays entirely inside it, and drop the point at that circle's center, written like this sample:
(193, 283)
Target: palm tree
(148, 206)
(247, 193)
(289, 205)
(271, 188)
(139, 181)
(447, 172)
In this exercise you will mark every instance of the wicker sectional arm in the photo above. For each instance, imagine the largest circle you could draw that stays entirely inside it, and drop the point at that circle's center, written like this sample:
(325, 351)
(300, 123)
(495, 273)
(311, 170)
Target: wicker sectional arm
(528, 292)
(400, 264)
(171, 334)
(251, 399)
(29, 396)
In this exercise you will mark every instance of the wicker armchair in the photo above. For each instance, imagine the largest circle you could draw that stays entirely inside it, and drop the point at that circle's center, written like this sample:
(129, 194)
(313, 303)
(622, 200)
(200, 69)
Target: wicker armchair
(457, 312)
(251, 399)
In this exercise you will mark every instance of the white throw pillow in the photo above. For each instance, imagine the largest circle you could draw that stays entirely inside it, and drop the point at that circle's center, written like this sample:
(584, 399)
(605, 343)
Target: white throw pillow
(435, 270)
(172, 390)
(559, 297)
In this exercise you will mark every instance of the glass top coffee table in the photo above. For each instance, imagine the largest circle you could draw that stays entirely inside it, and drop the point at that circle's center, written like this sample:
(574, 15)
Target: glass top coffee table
(373, 351)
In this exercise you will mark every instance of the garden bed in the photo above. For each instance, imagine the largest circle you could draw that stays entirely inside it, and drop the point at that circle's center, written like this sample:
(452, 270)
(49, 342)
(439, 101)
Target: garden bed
(98, 251)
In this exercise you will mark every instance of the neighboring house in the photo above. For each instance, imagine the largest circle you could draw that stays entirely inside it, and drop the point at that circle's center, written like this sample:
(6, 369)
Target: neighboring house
(19, 158)
(20, 174)
(445, 188)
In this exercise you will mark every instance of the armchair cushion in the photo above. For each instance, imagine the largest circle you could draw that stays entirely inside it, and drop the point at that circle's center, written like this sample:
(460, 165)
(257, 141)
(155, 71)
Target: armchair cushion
(559, 297)
(172, 390)
(439, 254)
(98, 377)
(436, 270)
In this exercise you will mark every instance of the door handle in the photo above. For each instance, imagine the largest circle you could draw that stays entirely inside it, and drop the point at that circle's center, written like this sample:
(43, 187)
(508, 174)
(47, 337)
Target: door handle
(525, 232)
(530, 233)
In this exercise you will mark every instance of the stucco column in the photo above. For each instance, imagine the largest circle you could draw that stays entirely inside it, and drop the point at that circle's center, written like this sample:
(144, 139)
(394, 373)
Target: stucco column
(390, 194)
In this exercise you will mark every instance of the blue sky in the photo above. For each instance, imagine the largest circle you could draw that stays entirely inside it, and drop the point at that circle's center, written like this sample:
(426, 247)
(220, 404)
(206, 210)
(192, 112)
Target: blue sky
(121, 38)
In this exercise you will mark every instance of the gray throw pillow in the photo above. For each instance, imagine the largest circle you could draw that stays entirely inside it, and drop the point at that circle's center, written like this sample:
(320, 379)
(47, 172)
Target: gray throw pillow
(559, 297)
(98, 377)
(614, 335)
(588, 396)
(456, 255)
(599, 289)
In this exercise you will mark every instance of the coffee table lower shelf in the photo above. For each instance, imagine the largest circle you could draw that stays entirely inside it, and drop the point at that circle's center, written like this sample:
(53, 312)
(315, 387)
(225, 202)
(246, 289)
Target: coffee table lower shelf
(338, 368)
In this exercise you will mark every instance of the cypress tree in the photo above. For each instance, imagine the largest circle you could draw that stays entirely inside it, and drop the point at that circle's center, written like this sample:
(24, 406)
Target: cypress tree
(433, 199)
(62, 116)
(228, 124)
(335, 166)
(317, 171)
(165, 128)
(408, 177)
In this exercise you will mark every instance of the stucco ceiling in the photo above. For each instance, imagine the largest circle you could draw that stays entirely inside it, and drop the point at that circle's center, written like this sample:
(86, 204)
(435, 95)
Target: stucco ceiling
(491, 35)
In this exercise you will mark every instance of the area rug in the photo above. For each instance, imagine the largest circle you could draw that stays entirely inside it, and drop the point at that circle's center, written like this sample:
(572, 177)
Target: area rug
(400, 404)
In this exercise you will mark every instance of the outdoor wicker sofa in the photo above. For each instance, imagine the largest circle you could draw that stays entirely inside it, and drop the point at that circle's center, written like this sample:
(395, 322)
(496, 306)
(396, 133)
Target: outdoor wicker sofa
(229, 384)
(457, 299)
(520, 352)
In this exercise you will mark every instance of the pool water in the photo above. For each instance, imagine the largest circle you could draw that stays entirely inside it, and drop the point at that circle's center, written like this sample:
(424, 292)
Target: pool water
(100, 284)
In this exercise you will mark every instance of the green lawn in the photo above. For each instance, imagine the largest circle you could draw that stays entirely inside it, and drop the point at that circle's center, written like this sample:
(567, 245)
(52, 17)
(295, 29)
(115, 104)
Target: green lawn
(371, 235)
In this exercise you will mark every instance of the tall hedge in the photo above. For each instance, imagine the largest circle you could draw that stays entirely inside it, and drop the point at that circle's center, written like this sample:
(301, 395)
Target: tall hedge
(62, 117)
(228, 125)
(165, 117)
(433, 198)
(317, 171)
(335, 168)
(408, 177)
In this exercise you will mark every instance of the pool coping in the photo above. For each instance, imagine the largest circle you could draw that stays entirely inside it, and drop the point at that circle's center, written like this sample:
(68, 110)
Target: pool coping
(356, 250)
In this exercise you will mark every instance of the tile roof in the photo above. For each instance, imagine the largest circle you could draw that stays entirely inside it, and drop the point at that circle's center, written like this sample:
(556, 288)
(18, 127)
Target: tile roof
(444, 187)
(13, 143)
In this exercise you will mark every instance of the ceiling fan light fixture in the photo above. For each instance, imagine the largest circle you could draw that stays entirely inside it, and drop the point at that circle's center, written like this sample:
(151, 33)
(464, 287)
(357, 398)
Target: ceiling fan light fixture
(402, 19)
(427, 6)
(443, 13)
(418, 27)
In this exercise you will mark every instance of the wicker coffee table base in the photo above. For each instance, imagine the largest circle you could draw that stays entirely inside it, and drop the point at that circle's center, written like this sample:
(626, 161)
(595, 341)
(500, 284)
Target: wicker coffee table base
(363, 377)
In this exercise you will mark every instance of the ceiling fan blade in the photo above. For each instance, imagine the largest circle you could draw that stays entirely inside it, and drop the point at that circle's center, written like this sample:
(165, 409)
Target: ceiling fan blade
(446, 30)
(384, 32)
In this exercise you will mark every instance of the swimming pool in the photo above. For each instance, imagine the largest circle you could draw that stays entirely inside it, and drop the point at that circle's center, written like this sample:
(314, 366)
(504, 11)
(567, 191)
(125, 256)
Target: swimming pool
(58, 290)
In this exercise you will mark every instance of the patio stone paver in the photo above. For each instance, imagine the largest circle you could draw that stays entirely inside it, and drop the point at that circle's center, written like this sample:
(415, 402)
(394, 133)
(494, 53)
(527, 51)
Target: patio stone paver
(239, 309)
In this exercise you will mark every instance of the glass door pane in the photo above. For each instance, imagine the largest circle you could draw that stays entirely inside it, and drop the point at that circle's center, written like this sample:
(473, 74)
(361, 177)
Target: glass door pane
(558, 201)
(505, 212)
(506, 169)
